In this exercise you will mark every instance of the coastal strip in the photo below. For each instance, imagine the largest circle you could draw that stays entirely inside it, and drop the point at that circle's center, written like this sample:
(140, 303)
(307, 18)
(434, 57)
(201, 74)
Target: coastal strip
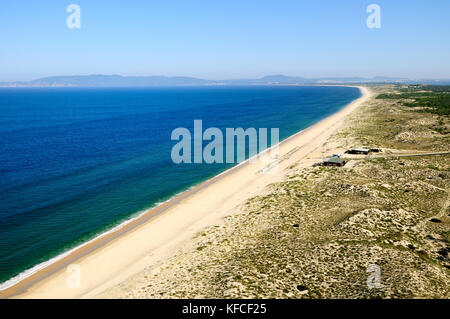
(113, 257)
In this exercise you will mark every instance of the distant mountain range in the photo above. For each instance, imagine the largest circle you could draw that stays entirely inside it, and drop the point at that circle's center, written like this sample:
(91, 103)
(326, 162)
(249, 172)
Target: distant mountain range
(99, 80)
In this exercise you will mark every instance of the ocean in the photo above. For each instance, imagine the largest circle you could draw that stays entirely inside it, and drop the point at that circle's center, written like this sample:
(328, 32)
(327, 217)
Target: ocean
(75, 162)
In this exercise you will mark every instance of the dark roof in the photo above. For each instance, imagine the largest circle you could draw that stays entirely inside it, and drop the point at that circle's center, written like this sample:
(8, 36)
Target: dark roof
(336, 160)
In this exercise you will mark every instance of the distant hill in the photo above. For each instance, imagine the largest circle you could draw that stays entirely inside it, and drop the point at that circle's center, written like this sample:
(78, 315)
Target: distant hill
(108, 81)
(99, 80)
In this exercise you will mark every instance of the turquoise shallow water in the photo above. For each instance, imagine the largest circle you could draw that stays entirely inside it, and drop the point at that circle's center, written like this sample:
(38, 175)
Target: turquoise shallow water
(76, 162)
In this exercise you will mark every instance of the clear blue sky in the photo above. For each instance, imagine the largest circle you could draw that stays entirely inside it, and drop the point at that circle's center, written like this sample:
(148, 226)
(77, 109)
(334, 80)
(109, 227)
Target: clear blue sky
(223, 39)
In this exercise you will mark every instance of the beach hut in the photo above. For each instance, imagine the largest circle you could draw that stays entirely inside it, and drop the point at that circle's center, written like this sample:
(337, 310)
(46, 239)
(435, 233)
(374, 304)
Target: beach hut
(334, 161)
(363, 151)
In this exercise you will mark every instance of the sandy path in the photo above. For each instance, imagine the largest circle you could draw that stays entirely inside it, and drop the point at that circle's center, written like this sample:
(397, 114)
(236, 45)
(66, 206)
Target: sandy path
(155, 235)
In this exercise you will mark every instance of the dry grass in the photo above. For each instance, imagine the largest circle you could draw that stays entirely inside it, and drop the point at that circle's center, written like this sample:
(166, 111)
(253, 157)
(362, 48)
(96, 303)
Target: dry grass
(314, 235)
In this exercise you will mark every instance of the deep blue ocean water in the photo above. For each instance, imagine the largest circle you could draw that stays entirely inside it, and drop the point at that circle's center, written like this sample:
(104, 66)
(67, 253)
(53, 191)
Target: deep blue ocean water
(75, 162)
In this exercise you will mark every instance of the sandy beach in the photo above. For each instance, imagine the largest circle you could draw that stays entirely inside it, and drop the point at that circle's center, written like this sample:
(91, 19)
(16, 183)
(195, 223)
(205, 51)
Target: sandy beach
(158, 233)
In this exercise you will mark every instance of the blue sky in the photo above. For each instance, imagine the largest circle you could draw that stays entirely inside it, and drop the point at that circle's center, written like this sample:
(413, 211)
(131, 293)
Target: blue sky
(217, 39)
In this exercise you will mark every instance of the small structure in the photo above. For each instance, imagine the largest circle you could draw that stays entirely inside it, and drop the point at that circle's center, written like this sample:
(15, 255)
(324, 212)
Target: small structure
(334, 161)
(363, 151)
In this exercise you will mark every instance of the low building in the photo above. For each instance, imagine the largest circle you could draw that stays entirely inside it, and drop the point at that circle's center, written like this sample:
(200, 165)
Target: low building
(334, 161)
(363, 151)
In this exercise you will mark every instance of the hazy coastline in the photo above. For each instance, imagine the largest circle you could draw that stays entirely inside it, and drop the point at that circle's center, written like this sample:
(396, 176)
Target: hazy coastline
(42, 271)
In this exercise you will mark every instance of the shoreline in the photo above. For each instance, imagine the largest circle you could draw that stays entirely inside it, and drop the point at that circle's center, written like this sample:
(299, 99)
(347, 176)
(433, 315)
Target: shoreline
(50, 278)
